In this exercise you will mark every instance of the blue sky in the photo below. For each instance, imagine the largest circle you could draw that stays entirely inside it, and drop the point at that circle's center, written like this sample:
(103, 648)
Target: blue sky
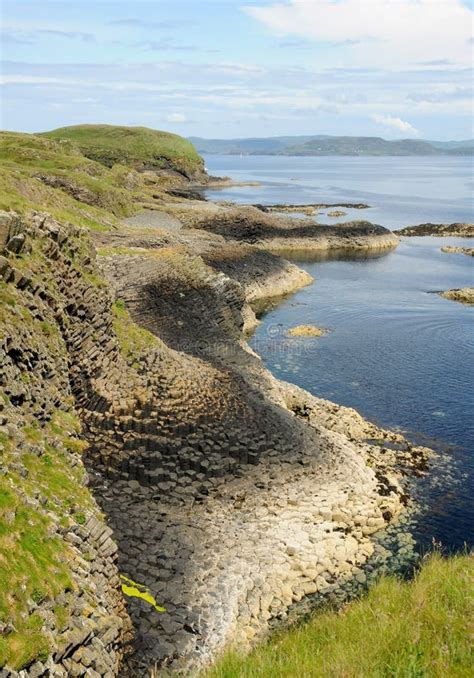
(222, 68)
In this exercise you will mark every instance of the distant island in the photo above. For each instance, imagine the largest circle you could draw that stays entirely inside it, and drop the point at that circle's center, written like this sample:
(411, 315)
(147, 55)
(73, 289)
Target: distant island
(331, 145)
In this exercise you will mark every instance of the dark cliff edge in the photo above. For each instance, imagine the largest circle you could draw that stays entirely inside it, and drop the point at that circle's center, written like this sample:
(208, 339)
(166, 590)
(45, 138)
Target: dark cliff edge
(142, 438)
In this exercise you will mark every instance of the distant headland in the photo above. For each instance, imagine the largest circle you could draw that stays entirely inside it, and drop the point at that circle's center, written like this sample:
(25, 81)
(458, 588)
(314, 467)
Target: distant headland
(331, 145)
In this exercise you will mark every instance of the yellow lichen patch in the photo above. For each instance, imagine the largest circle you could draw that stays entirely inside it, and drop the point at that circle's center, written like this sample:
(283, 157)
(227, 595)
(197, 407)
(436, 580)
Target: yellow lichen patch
(134, 590)
(307, 331)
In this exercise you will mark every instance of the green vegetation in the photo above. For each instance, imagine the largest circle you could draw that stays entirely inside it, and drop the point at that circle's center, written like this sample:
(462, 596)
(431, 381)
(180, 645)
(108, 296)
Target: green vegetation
(46, 175)
(133, 340)
(420, 629)
(138, 147)
(41, 490)
(34, 565)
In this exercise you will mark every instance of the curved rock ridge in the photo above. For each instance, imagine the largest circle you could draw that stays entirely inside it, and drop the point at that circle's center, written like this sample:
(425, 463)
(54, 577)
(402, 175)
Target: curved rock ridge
(450, 249)
(231, 495)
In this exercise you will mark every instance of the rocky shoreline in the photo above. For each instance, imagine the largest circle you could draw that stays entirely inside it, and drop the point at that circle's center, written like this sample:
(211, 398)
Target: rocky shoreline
(278, 233)
(231, 496)
(284, 517)
(449, 249)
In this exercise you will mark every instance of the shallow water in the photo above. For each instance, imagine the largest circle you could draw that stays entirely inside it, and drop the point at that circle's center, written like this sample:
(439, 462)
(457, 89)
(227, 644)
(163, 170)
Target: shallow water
(400, 191)
(397, 351)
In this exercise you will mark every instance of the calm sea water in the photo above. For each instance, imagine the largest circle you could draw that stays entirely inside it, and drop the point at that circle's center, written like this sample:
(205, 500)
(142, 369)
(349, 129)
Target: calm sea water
(396, 351)
(400, 191)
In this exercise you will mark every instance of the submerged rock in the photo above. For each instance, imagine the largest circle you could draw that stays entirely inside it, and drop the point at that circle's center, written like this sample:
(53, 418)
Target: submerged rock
(307, 331)
(450, 249)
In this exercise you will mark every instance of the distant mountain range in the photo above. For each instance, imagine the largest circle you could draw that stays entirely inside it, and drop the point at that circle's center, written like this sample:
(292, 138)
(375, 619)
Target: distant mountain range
(331, 145)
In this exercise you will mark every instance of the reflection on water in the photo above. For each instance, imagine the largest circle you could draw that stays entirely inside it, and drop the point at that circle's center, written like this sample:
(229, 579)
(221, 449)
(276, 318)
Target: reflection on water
(397, 353)
(346, 254)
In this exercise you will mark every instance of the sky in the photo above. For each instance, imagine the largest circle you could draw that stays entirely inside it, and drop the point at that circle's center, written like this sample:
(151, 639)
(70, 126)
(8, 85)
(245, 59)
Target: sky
(228, 68)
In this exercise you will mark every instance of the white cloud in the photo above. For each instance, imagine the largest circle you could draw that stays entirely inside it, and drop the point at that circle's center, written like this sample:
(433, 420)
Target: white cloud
(176, 117)
(375, 32)
(394, 123)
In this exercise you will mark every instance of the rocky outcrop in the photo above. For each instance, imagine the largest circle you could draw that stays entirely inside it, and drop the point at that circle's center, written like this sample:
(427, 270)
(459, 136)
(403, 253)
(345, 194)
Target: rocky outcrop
(469, 251)
(459, 230)
(465, 295)
(280, 234)
(62, 609)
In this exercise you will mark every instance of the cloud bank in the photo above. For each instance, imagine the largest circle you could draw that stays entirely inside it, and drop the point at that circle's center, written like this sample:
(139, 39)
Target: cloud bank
(389, 32)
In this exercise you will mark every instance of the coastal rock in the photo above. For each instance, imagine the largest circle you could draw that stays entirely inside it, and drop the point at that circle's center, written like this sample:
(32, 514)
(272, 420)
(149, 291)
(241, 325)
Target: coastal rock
(464, 295)
(307, 331)
(469, 251)
(461, 230)
(337, 213)
(229, 495)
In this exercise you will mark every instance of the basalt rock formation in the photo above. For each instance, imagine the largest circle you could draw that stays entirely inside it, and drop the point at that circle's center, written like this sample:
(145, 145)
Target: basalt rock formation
(142, 437)
(280, 234)
(62, 612)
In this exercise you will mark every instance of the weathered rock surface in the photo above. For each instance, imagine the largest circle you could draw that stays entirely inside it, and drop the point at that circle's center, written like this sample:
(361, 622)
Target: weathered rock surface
(460, 230)
(465, 295)
(469, 251)
(39, 320)
(307, 331)
(280, 234)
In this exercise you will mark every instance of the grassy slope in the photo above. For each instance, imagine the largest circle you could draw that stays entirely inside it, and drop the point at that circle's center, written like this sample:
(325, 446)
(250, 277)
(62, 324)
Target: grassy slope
(139, 147)
(421, 629)
(91, 195)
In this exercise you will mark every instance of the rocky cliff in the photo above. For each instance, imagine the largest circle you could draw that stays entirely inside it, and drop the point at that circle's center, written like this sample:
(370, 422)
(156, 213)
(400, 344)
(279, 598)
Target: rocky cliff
(62, 612)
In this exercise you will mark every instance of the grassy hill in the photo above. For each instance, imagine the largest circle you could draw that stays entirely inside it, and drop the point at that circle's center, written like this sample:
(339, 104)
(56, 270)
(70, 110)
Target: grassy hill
(42, 174)
(90, 178)
(138, 147)
(419, 629)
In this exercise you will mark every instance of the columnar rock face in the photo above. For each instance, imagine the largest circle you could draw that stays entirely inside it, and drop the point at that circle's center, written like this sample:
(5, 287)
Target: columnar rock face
(62, 612)
(231, 495)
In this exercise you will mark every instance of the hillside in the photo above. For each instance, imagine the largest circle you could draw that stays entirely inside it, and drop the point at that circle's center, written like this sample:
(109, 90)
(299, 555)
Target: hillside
(139, 147)
(330, 145)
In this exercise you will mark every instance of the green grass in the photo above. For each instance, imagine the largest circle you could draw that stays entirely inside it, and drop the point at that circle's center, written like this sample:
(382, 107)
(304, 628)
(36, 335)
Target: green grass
(418, 629)
(133, 339)
(34, 561)
(138, 147)
(86, 193)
